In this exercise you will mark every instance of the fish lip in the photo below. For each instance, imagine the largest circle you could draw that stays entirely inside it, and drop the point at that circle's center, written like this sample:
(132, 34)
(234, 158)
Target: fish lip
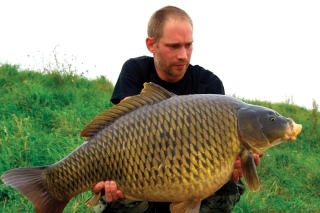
(292, 131)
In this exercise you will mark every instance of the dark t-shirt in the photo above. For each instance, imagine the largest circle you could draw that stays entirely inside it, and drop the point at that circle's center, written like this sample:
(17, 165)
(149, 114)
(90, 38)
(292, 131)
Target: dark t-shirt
(137, 71)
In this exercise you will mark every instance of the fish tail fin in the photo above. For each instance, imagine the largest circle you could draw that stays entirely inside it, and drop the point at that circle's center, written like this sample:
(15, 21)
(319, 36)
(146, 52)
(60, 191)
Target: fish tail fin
(29, 182)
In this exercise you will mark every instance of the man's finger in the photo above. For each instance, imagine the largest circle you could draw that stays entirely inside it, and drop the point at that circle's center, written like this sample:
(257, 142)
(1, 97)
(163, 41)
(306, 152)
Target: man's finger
(237, 163)
(111, 191)
(114, 189)
(256, 159)
(98, 187)
(120, 194)
(235, 175)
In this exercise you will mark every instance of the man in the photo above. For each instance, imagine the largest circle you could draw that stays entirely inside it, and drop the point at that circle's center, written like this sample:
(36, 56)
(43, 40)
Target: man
(170, 40)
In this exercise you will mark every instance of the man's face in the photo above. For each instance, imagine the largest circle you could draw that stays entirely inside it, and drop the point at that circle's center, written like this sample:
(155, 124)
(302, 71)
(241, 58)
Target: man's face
(172, 53)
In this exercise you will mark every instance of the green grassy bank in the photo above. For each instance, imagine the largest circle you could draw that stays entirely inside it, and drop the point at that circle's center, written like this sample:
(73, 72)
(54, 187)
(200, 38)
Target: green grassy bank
(41, 115)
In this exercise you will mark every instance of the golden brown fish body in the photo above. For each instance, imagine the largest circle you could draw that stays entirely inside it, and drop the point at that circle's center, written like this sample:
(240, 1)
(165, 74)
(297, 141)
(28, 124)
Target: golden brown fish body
(171, 151)
(160, 147)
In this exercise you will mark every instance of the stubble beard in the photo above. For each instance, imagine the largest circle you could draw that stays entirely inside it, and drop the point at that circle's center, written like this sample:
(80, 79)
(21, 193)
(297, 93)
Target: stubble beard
(167, 69)
(162, 67)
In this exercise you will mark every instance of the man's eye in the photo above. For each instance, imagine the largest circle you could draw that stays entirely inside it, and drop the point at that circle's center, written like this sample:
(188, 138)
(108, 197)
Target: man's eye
(174, 46)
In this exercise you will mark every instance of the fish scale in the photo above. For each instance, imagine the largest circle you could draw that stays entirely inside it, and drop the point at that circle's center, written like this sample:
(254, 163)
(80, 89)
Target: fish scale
(159, 147)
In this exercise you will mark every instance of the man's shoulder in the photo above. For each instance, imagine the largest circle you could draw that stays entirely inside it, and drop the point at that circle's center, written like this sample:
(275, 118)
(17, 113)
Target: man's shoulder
(140, 59)
(200, 72)
(210, 82)
(142, 65)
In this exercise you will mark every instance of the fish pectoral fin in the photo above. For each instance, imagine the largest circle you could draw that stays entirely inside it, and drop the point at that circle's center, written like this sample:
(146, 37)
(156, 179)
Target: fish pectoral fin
(93, 200)
(190, 206)
(249, 171)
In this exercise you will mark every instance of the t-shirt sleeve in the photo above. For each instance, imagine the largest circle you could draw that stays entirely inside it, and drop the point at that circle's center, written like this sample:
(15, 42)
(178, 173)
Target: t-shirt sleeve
(130, 81)
(209, 81)
(215, 85)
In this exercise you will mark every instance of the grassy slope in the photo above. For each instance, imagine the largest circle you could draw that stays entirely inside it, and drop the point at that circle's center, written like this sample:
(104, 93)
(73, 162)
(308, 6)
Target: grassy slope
(40, 120)
(289, 173)
(42, 114)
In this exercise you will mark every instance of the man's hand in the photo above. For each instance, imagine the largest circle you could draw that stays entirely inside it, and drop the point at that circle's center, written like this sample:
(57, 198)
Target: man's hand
(111, 190)
(237, 167)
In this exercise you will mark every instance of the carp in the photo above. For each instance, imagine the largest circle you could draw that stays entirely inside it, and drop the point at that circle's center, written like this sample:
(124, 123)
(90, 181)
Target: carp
(159, 147)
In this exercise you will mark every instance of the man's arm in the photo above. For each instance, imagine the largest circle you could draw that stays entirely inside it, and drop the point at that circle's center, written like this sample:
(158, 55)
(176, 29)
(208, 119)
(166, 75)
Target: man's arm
(130, 81)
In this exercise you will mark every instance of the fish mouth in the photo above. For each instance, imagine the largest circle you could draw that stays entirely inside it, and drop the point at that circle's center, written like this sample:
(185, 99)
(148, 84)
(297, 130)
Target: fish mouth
(292, 131)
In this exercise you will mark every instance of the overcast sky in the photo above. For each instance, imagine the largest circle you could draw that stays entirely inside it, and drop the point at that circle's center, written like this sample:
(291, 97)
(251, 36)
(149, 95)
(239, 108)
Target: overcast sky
(266, 50)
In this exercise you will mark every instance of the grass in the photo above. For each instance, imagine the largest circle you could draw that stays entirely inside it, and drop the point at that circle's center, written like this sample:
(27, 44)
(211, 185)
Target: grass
(40, 120)
(42, 114)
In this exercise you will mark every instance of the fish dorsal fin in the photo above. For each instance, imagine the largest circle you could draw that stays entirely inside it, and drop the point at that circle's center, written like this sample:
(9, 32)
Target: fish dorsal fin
(190, 206)
(150, 94)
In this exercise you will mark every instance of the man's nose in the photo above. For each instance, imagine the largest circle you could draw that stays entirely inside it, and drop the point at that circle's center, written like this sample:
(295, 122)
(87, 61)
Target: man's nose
(182, 54)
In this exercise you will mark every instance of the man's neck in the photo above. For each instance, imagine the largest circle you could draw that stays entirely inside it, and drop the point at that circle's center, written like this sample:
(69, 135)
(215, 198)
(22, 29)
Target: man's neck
(168, 78)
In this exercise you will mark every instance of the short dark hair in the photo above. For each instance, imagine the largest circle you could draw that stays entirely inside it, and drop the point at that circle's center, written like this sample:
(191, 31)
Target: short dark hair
(159, 18)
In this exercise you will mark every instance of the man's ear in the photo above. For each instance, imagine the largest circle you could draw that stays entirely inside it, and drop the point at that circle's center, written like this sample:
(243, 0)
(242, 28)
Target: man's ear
(150, 42)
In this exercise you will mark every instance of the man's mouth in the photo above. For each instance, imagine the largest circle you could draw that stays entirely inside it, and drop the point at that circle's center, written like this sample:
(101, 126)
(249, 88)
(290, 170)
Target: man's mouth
(180, 66)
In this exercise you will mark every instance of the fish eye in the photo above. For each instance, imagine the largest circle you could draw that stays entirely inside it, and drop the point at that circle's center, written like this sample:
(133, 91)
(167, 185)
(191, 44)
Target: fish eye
(272, 119)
